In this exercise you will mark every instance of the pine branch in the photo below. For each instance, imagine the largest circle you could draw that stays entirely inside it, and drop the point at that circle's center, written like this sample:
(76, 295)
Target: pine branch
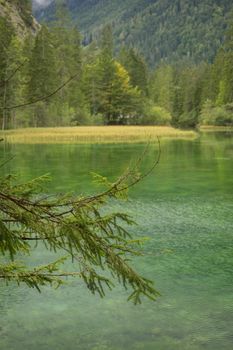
(77, 226)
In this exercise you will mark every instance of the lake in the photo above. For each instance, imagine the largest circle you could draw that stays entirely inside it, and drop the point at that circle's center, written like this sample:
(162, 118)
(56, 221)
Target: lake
(185, 208)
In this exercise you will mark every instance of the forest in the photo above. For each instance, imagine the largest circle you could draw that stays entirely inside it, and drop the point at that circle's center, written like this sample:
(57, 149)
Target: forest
(161, 30)
(107, 88)
(126, 107)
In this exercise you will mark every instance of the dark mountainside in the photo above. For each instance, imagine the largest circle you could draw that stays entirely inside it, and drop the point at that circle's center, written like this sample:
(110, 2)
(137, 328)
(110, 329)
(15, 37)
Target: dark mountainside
(162, 30)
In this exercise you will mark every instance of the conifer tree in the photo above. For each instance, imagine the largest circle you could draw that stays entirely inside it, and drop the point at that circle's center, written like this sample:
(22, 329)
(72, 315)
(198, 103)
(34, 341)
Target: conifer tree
(136, 68)
(110, 91)
(71, 107)
(6, 34)
(161, 86)
(42, 74)
(105, 69)
(226, 83)
(13, 86)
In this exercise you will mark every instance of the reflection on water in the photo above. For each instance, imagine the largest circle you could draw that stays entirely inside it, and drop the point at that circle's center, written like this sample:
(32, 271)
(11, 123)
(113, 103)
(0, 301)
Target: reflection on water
(185, 208)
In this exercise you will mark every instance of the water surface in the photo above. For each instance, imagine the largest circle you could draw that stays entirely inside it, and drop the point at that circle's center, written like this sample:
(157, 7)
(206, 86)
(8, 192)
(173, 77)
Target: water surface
(184, 207)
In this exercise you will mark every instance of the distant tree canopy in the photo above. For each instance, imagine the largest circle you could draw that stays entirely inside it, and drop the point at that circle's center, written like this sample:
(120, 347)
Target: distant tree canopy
(161, 30)
(108, 88)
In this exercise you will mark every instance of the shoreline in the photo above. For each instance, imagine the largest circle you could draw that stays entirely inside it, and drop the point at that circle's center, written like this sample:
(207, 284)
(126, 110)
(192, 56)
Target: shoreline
(215, 128)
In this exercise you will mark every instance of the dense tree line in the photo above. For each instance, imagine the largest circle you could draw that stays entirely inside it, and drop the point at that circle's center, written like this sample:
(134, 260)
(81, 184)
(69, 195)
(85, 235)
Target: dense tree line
(105, 87)
(197, 94)
(103, 92)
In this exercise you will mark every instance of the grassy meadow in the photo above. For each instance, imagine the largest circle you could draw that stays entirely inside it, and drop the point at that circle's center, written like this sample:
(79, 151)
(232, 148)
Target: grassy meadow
(93, 134)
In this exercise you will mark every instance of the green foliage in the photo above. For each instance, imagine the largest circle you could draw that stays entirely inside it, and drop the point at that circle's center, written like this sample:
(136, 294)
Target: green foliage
(6, 33)
(136, 68)
(119, 99)
(217, 115)
(68, 53)
(161, 30)
(24, 8)
(104, 87)
(162, 86)
(178, 89)
(94, 240)
(42, 74)
(108, 86)
(225, 94)
(218, 87)
(155, 115)
(196, 94)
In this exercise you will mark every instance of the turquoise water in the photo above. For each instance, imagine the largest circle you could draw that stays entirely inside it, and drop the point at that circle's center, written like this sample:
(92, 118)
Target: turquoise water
(184, 207)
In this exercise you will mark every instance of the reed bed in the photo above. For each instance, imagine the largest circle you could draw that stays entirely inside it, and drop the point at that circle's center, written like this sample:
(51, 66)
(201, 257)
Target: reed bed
(93, 134)
(216, 128)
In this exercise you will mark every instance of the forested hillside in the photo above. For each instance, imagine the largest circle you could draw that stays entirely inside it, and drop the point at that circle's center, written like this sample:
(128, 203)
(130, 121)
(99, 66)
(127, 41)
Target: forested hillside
(161, 29)
(51, 79)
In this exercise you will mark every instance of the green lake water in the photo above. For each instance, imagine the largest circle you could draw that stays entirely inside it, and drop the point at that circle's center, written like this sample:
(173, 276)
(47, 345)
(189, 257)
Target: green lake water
(186, 209)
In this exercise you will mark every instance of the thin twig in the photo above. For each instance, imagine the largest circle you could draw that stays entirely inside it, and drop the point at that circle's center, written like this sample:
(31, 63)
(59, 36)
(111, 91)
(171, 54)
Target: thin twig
(6, 161)
(4, 82)
(34, 274)
(43, 98)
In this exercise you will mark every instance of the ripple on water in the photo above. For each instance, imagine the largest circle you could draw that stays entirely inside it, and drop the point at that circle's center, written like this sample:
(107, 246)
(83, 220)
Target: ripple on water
(186, 211)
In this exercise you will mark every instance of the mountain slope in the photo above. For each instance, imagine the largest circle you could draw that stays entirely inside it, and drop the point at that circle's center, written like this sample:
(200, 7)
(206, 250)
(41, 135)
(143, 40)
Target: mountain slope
(160, 29)
(18, 13)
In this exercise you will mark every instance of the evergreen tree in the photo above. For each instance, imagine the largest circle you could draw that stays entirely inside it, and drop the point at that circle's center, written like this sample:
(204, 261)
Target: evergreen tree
(136, 68)
(190, 96)
(6, 36)
(226, 82)
(42, 74)
(67, 42)
(124, 99)
(106, 70)
(161, 86)
(14, 85)
(111, 92)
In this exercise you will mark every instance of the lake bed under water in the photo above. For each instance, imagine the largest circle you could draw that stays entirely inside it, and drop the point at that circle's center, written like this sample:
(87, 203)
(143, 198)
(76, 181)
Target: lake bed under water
(184, 207)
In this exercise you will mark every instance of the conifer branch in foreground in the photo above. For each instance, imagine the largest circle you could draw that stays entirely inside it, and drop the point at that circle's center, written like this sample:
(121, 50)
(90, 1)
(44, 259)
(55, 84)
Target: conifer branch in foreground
(97, 242)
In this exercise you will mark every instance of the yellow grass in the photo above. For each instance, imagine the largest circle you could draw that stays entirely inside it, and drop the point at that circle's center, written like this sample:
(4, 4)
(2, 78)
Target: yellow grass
(215, 128)
(93, 134)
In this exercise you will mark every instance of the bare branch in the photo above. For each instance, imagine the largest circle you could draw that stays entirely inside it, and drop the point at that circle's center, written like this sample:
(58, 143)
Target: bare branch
(43, 98)
(6, 161)
(4, 82)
